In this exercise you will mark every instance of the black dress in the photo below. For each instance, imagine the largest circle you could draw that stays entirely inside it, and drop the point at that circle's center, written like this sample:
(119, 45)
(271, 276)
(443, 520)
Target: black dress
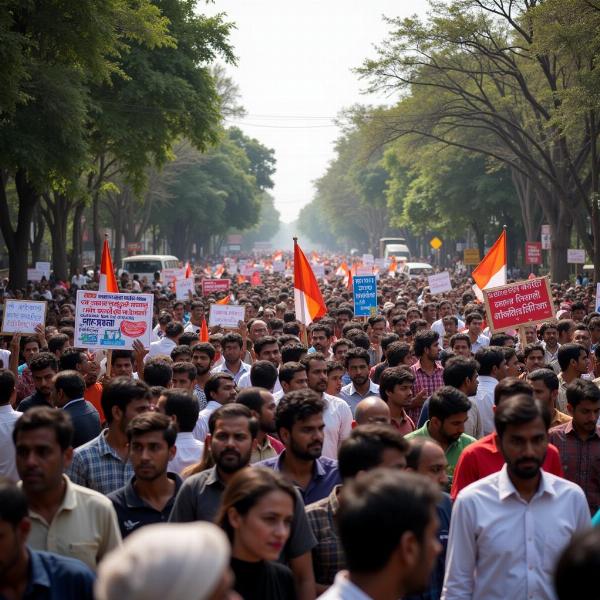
(263, 580)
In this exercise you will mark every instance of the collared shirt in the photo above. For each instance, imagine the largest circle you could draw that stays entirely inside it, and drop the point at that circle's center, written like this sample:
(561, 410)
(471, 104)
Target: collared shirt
(404, 424)
(134, 512)
(580, 460)
(97, 465)
(199, 499)
(245, 382)
(264, 451)
(484, 398)
(325, 476)
(201, 428)
(484, 458)
(561, 400)
(8, 418)
(328, 554)
(55, 577)
(427, 382)
(559, 418)
(200, 396)
(480, 342)
(549, 356)
(344, 589)
(338, 425)
(438, 327)
(352, 397)
(453, 451)
(84, 526)
(223, 368)
(473, 424)
(162, 346)
(502, 547)
(189, 452)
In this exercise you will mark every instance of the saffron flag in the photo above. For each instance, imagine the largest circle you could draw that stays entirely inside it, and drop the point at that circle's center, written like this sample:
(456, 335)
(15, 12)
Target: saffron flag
(188, 270)
(203, 331)
(108, 281)
(308, 300)
(342, 270)
(349, 280)
(491, 271)
(225, 300)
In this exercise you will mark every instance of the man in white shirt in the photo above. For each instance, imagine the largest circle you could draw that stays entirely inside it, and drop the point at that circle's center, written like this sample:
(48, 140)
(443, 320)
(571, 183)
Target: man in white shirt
(337, 416)
(265, 348)
(444, 310)
(78, 279)
(509, 529)
(474, 323)
(492, 368)
(173, 332)
(8, 417)
(220, 389)
(196, 316)
(401, 561)
(231, 345)
(183, 409)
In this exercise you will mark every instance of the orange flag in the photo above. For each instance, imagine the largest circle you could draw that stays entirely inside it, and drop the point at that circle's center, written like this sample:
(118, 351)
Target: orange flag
(108, 281)
(350, 282)
(491, 271)
(204, 331)
(188, 270)
(308, 300)
(225, 300)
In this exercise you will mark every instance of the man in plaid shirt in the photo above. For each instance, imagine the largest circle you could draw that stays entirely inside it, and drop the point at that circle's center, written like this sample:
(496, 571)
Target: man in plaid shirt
(102, 464)
(428, 372)
(368, 447)
(578, 441)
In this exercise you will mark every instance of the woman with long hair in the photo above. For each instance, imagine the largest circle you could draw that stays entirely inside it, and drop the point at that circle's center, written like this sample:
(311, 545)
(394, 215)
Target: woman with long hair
(256, 514)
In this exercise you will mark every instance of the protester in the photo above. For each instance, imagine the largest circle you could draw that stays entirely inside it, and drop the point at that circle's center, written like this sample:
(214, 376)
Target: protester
(396, 390)
(372, 410)
(149, 496)
(256, 514)
(43, 368)
(357, 363)
(572, 359)
(497, 522)
(220, 389)
(492, 369)
(64, 517)
(427, 370)
(203, 357)
(232, 344)
(8, 418)
(575, 575)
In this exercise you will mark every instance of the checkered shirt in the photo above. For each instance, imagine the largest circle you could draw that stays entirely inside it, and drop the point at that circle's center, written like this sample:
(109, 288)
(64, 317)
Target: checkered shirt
(424, 381)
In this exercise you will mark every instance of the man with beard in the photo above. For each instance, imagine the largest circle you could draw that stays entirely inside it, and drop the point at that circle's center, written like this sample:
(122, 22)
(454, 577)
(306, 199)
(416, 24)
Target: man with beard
(320, 339)
(360, 387)
(262, 406)
(43, 367)
(149, 496)
(578, 440)
(27, 573)
(300, 425)
(232, 431)
(203, 357)
(102, 464)
(509, 529)
(448, 413)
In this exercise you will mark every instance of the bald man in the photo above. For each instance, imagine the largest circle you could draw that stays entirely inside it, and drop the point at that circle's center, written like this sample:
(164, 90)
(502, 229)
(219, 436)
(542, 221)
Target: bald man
(371, 410)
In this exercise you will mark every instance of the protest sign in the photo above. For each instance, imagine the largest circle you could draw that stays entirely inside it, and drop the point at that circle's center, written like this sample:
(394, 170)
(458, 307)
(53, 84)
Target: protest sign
(214, 286)
(44, 267)
(112, 320)
(22, 316)
(546, 237)
(226, 315)
(367, 260)
(364, 271)
(576, 256)
(34, 274)
(597, 296)
(471, 256)
(168, 275)
(516, 304)
(365, 295)
(382, 263)
(247, 270)
(184, 287)
(533, 253)
(439, 283)
(278, 266)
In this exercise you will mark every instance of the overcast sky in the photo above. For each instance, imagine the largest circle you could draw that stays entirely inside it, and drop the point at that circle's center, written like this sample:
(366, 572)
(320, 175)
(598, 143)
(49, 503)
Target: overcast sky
(295, 75)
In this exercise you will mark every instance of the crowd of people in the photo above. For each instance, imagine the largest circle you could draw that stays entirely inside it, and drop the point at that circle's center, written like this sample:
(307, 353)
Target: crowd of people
(412, 454)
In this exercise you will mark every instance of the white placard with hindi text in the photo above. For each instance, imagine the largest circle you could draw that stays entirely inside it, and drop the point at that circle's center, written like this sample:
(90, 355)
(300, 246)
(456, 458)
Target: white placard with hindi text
(278, 266)
(367, 260)
(183, 288)
(439, 283)
(44, 267)
(22, 316)
(226, 315)
(576, 256)
(34, 275)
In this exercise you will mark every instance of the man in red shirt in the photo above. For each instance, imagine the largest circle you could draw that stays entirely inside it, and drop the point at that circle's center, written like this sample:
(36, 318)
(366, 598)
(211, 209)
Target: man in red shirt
(483, 457)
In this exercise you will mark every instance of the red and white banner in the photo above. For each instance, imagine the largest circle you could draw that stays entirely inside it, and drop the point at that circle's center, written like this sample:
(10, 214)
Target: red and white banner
(215, 286)
(533, 253)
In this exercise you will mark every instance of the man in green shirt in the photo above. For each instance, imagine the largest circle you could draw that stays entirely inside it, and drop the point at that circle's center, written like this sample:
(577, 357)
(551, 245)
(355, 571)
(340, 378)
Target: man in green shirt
(448, 408)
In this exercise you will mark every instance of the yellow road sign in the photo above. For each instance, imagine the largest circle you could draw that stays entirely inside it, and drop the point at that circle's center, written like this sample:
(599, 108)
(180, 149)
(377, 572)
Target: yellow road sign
(436, 243)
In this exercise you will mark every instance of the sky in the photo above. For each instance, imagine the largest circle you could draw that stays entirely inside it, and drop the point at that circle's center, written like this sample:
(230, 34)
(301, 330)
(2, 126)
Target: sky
(294, 71)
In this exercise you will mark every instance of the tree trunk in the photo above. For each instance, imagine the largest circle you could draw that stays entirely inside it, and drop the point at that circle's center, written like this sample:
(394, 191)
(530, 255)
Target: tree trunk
(77, 237)
(560, 232)
(38, 235)
(17, 241)
(98, 239)
(56, 212)
(118, 241)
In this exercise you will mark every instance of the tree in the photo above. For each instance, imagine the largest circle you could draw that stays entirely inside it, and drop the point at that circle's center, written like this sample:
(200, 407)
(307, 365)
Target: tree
(268, 223)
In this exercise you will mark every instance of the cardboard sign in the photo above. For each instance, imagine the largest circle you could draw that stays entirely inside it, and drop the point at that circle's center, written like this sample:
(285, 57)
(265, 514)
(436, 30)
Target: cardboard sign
(104, 320)
(533, 253)
(365, 295)
(516, 304)
(367, 260)
(226, 315)
(44, 267)
(439, 283)
(183, 288)
(22, 316)
(546, 237)
(215, 286)
(167, 275)
(576, 256)
(35, 274)
(471, 256)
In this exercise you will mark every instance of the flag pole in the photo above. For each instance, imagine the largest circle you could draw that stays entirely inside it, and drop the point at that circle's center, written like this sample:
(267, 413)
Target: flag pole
(505, 229)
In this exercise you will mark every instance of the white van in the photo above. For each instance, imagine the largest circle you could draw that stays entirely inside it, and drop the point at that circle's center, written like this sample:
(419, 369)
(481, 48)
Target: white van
(415, 270)
(145, 265)
(400, 251)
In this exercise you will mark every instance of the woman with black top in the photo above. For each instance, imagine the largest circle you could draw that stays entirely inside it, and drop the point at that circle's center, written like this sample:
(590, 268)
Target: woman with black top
(256, 514)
